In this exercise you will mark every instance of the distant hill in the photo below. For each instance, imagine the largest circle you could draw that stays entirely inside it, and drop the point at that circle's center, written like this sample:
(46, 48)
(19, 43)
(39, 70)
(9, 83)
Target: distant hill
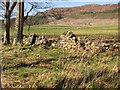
(80, 10)
(86, 8)
(73, 15)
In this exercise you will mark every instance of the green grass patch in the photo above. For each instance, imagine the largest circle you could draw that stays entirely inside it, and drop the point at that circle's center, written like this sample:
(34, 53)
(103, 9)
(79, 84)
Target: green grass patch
(55, 30)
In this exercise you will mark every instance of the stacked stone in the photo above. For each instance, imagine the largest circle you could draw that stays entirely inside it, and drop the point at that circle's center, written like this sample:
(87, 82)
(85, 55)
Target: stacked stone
(54, 42)
(43, 41)
(68, 40)
(95, 47)
(85, 46)
(30, 40)
(27, 39)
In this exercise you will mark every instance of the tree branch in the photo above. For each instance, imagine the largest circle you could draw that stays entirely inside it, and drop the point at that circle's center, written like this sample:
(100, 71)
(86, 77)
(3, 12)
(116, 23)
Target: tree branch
(28, 13)
(12, 7)
(2, 15)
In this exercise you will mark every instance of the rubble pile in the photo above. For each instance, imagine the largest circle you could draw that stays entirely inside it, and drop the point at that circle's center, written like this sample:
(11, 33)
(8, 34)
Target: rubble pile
(67, 40)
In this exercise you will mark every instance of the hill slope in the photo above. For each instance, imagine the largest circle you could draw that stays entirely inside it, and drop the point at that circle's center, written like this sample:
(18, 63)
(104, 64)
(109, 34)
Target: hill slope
(87, 15)
(89, 9)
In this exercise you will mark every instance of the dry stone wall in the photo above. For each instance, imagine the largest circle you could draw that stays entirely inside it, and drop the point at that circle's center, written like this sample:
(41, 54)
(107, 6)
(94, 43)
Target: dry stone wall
(68, 40)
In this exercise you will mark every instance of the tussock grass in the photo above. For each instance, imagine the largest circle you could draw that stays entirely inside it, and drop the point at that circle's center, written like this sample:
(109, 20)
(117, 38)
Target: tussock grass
(36, 67)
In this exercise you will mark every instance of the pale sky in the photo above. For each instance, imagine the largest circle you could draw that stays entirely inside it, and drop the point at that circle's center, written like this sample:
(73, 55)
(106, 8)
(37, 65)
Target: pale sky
(73, 0)
(68, 3)
(73, 3)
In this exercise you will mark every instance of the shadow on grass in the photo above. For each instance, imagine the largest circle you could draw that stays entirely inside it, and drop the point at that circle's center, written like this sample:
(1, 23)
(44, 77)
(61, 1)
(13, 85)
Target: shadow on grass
(75, 83)
(89, 81)
(69, 84)
(33, 64)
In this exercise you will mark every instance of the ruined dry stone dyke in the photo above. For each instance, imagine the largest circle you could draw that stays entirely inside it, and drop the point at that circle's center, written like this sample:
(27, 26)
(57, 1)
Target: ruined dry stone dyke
(68, 40)
(30, 39)
(36, 40)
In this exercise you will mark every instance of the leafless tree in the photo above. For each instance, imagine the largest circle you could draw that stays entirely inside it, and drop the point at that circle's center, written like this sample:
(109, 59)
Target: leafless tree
(21, 18)
(19, 21)
(8, 9)
(8, 6)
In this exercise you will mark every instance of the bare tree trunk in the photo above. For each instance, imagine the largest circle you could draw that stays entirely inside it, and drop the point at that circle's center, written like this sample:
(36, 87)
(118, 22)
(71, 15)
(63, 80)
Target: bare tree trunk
(19, 23)
(7, 23)
(8, 11)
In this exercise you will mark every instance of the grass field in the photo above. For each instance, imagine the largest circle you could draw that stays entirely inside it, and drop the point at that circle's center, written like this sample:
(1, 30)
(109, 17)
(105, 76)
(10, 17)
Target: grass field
(59, 29)
(36, 67)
